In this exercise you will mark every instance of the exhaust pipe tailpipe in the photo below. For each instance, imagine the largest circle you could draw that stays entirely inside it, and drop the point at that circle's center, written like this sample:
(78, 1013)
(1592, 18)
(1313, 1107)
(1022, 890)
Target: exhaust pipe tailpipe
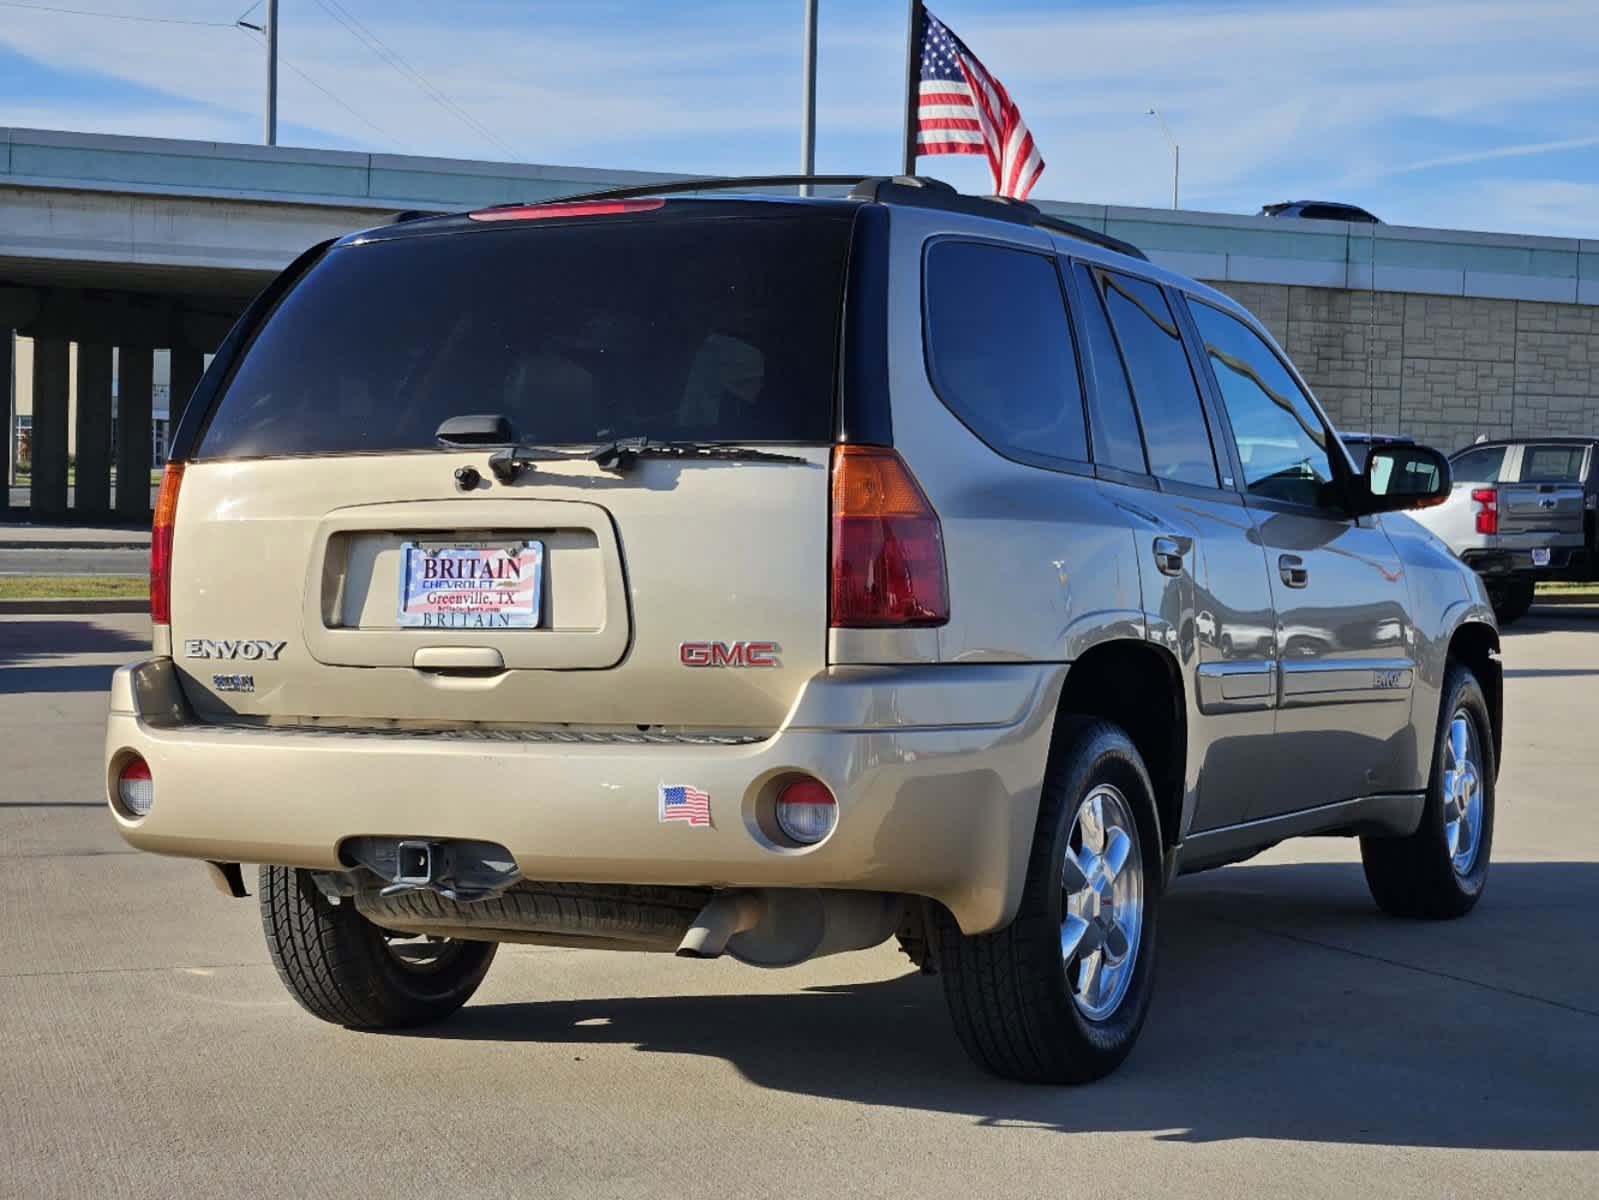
(727, 914)
(780, 927)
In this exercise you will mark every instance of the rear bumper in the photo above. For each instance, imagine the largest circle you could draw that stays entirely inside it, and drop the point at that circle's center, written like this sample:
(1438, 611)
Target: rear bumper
(1564, 562)
(937, 772)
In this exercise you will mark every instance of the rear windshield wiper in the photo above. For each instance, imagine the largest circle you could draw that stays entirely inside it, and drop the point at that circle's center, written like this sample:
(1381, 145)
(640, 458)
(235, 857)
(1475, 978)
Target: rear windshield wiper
(620, 455)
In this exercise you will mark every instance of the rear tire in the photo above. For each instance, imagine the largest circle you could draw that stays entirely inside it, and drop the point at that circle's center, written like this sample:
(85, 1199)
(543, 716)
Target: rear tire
(1018, 997)
(1512, 598)
(346, 970)
(1439, 871)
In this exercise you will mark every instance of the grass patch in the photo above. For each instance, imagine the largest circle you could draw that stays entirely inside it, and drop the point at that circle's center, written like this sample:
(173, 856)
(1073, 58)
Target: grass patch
(73, 587)
(1564, 587)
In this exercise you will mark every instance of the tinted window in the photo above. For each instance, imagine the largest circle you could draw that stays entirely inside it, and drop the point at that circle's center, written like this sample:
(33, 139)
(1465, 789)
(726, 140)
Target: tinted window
(667, 328)
(1282, 442)
(1478, 466)
(1551, 464)
(1112, 424)
(1334, 212)
(1169, 407)
(1000, 349)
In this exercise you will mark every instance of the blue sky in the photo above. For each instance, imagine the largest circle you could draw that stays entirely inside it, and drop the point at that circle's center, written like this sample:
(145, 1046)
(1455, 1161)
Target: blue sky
(1467, 114)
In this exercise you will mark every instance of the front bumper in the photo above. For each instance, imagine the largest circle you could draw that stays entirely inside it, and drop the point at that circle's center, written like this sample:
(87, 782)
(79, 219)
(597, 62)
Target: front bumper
(937, 772)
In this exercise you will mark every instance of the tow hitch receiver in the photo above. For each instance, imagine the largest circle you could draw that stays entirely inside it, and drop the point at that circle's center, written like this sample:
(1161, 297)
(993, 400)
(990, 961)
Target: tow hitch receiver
(464, 871)
(415, 867)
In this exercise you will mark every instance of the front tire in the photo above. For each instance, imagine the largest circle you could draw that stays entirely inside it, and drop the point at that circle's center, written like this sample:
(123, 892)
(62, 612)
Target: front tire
(348, 971)
(1060, 994)
(1439, 871)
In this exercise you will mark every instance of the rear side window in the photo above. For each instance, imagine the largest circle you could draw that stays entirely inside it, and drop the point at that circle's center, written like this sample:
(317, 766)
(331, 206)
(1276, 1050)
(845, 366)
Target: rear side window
(1112, 422)
(720, 329)
(999, 349)
(1169, 407)
(1551, 464)
(1478, 466)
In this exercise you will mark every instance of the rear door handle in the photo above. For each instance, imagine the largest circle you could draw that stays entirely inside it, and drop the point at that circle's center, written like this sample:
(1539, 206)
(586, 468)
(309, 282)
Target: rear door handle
(1293, 570)
(1169, 554)
(458, 658)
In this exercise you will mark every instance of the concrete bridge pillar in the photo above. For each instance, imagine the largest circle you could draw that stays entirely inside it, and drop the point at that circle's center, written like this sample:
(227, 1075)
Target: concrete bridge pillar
(135, 376)
(187, 366)
(92, 491)
(51, 382)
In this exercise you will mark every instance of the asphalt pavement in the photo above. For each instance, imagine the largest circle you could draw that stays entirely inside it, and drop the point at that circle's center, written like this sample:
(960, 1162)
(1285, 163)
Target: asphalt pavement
(1300, 1044)
(74, 561)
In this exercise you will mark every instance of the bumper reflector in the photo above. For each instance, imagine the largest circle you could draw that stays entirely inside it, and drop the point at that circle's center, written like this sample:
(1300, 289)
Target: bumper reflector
(135, 788)
(806, 811)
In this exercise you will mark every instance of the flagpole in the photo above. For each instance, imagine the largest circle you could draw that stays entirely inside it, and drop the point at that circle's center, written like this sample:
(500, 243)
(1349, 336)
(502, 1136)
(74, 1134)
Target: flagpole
(808, 109)
(913, 82)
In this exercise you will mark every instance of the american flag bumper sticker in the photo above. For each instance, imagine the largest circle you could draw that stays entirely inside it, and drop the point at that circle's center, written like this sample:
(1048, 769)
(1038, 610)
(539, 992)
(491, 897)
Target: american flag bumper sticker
(682, 803)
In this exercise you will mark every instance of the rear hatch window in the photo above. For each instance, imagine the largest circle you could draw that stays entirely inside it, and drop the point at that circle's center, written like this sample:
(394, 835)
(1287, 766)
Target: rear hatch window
(722, 329)
(1552, 464)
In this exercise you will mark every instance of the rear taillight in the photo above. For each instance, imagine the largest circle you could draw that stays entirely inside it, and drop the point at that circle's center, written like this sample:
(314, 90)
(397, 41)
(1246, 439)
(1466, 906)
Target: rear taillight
(888, 548)
(166, 508)
(578, 208)
(1488, 514)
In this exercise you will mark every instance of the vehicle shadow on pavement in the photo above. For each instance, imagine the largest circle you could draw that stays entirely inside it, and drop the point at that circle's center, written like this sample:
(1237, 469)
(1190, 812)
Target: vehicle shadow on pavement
(21, 681)
(26, 640)
(1287, 1008)
(41, 637)
(1547, 618)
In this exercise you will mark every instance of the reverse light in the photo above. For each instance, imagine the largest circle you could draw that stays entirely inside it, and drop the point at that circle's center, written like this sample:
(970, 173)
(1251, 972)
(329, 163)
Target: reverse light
(888, 547)
(135, 788)
(576, 208)
(166, 508)
(1488, 514)
(806, 811)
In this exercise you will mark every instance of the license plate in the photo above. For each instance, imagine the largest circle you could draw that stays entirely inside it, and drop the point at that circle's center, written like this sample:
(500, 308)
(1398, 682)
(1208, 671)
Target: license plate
(1540, 558)
(471, 587)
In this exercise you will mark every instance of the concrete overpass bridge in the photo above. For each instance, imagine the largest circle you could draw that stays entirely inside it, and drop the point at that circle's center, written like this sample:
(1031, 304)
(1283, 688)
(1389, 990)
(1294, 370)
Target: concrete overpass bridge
(122, 259)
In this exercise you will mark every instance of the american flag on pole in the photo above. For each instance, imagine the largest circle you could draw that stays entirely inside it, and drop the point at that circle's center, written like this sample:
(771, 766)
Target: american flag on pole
(962, 109)
(685, 804)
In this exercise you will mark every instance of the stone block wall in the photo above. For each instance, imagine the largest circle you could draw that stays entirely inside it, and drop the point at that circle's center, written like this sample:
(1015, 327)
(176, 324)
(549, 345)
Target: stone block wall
(1443, 369)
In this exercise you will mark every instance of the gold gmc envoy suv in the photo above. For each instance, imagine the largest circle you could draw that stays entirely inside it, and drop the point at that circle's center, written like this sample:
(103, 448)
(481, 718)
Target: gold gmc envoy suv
(777, 576)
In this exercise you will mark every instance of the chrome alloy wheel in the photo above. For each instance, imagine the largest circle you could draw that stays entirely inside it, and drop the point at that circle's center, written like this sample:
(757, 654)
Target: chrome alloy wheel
(1102, 903)
(1463, 793)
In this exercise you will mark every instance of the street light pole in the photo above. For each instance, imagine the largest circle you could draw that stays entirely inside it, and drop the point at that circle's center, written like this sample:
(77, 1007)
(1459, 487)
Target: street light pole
(808, 87)
(1176, 152)
(270, 134)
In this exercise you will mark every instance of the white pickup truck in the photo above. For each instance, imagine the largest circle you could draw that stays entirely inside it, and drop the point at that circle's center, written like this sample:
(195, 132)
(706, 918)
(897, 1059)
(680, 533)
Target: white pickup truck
(1520, 510)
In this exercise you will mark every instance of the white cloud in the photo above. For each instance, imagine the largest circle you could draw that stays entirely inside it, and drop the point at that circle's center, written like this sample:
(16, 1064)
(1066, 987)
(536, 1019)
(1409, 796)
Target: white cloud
(1555, 207)
(1524, 150)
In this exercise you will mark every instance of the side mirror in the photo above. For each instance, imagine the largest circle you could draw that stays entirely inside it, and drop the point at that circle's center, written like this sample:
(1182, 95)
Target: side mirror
(1402, 476)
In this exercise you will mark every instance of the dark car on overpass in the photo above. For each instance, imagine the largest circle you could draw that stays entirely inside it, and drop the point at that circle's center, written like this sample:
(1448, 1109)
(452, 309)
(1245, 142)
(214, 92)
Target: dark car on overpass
(1320, 210)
